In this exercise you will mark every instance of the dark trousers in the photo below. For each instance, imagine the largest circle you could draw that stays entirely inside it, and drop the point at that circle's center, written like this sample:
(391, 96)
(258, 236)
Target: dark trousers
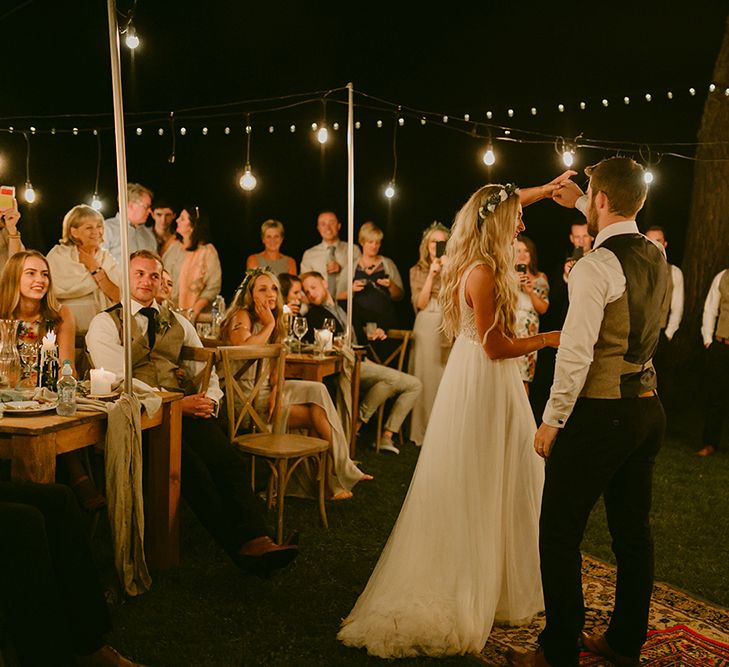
(53, 602)
(216, 484)
(715, 374)
(607, 447)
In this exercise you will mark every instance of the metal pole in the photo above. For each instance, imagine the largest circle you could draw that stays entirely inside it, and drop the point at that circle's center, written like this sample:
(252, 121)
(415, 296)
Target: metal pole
(350, 207)
(121, 180)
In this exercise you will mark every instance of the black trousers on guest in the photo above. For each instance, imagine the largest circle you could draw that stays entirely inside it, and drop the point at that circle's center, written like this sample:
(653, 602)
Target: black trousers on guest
(608, 448)
(53, 602)
(715, 374)
(216, 485)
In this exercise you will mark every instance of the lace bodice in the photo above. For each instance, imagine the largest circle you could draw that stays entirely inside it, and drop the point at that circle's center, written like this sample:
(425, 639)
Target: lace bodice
(467, 328)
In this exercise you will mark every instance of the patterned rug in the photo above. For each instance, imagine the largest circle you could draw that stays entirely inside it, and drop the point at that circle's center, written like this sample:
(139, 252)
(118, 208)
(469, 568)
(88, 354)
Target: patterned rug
(683, 631)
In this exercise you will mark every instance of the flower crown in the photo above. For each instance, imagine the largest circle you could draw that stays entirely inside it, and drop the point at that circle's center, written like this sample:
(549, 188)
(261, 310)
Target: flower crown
(250, 275)
(489, 204)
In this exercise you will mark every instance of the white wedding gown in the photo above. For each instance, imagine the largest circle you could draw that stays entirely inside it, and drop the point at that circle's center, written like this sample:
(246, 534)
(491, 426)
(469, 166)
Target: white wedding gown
(464, 551)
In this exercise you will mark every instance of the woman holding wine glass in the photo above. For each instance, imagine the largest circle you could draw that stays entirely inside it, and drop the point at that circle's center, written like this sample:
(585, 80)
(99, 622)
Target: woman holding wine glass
(255, 317)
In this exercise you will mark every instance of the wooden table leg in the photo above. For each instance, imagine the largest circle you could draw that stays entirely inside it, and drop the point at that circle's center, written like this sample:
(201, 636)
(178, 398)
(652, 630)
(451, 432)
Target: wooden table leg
(162, 503)
(33, 458)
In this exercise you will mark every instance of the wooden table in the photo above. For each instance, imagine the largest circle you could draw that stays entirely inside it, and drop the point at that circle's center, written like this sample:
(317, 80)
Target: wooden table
(312, 367)
(33, 442)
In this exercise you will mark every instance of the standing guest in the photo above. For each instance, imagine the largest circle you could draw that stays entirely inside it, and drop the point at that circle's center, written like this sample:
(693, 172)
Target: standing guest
(533, 301)
(376, 284)
(27, 295)
(139, 204)
(329, 258)
(256, 318)
(673, 306)
(292, 293)
(86, 277)
(715, 333)
(213, 473)
(169, 247)
(200, 273)
(378, 382)
(54, 605)
(10, 242)
(429, 351)
(603, 425)
(272, 235)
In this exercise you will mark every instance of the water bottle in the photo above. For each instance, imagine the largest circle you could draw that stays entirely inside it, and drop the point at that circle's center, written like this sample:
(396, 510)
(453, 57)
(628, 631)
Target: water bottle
(66, 391)
(217, 313)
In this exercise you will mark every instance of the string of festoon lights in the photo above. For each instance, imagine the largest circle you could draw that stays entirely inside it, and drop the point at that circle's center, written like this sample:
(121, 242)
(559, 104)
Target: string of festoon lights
(489, 128)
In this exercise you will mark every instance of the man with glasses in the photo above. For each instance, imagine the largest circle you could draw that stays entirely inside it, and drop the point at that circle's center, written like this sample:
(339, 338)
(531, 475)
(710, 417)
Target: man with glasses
(140, 237)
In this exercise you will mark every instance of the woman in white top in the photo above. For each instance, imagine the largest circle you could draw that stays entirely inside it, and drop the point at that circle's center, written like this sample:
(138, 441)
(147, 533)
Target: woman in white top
(86, 277)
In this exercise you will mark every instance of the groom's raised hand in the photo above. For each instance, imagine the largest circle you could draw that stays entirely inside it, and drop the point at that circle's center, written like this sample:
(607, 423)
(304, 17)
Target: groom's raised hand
(544, 439)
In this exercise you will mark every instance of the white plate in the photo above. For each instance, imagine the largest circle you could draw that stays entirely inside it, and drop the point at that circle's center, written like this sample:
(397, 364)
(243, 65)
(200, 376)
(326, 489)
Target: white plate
(17, 408)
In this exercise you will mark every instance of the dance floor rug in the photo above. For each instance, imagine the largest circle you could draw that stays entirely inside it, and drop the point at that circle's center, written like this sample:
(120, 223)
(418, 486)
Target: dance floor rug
(682, 632)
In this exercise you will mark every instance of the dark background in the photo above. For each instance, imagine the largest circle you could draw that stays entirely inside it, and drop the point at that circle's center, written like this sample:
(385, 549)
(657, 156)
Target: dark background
(465, 58)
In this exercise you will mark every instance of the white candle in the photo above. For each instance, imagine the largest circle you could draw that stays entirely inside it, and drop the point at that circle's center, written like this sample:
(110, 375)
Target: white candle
(101, 381)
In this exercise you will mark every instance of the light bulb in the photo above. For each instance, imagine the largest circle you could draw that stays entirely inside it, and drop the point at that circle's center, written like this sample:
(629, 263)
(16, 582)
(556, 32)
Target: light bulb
(29, 193)
(390, 190)
(322, 136)
(488, 157)
(648, 176)
(132, 41)
(568, 158)
(96, 202)
(248, 180)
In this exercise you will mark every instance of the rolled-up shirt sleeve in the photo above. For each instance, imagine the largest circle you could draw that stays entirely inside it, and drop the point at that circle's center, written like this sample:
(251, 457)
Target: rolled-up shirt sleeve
(711, 310)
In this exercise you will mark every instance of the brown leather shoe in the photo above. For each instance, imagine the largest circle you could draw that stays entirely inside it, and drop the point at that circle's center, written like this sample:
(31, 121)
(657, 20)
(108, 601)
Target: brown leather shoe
(261, 555)
(708, 450)
(598, 645)
(530, 659)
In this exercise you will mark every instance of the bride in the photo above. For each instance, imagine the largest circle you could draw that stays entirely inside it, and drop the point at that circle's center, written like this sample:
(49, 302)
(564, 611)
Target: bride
(464, 551)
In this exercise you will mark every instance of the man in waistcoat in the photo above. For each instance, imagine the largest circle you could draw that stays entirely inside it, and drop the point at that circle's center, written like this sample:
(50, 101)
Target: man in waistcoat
(214, 478)
(715, 332)
(603, 424)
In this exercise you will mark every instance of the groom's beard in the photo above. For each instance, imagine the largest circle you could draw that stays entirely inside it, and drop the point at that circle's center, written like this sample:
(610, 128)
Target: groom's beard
(592, 228)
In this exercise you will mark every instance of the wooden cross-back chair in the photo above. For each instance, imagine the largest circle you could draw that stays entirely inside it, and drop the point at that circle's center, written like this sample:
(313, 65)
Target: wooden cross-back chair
(207, 357)
(263, 436)
(396, 360)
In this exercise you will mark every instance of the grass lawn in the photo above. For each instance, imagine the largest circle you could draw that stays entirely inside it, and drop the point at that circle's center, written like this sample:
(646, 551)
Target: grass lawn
(206, 612)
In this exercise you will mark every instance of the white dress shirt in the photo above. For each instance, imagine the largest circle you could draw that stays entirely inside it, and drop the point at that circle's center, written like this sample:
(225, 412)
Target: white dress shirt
(594, 282)
(676, 312)
(711, 310)
(316, 258)
(107, 351)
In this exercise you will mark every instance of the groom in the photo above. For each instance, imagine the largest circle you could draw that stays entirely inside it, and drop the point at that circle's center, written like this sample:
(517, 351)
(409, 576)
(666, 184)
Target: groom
(603, 424)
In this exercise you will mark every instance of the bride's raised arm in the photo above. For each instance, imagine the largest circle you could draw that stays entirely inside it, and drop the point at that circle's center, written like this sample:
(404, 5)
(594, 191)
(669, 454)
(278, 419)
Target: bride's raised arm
(480, 295)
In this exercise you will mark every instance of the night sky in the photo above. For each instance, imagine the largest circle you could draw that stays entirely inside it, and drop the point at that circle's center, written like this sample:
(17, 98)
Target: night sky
(466, 58)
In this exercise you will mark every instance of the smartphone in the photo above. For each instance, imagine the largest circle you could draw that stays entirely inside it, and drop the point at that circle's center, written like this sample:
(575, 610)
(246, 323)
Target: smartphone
(440, 247)
(7, 195)
(521, 268)
(576, 253)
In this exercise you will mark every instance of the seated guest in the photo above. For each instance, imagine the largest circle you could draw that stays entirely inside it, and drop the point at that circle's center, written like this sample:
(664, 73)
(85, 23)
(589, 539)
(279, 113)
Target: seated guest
(164, 294)
(329, 258)
(214, 479)
(139, 236)
(292, 293)
(54, 605)
(255, 318)
(10, 242)
(169, 246)
(86, 277)
(200, 273)
(272, 235)
(378, 382)
(27, 295)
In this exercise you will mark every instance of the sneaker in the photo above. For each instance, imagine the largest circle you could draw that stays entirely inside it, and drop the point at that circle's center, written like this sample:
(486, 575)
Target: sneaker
(386, 444)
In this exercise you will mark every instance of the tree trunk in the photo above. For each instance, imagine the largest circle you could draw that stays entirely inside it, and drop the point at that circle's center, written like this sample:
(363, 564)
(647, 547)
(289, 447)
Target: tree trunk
(707, 238)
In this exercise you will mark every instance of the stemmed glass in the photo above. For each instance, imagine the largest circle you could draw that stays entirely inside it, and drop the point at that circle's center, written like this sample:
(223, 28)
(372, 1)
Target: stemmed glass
(301, 326)
(330, 324)
(28, 352)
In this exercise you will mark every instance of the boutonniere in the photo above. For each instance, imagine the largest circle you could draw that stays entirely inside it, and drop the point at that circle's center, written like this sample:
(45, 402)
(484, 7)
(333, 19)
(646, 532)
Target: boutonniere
(164, 319)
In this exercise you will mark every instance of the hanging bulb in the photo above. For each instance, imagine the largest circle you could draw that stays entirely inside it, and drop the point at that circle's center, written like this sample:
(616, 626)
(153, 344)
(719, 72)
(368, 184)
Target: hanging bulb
(248, 181)
(132, 41)
(648, 176)
(322, 135)
(488, 157)
(390, 190)
(568, 157)
(29, 193)
(96, 202)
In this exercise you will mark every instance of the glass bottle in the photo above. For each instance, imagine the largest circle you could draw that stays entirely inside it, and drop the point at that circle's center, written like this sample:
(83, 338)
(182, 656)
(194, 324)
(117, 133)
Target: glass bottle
(9, 355)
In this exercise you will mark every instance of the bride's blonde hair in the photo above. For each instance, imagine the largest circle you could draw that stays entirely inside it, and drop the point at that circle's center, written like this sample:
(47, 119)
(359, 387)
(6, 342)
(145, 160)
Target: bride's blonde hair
(483, 231)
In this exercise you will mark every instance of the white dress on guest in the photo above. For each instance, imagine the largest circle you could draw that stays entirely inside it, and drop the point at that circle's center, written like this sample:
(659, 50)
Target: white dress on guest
(464, 551)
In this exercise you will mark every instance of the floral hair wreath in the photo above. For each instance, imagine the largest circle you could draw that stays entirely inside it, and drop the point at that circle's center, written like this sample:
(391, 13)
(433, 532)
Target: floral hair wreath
(250, 275)
(493, 200)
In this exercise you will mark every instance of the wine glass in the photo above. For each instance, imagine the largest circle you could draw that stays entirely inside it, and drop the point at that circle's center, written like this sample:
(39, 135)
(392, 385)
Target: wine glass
(301, 326)
(331, 324)
(28, 352)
